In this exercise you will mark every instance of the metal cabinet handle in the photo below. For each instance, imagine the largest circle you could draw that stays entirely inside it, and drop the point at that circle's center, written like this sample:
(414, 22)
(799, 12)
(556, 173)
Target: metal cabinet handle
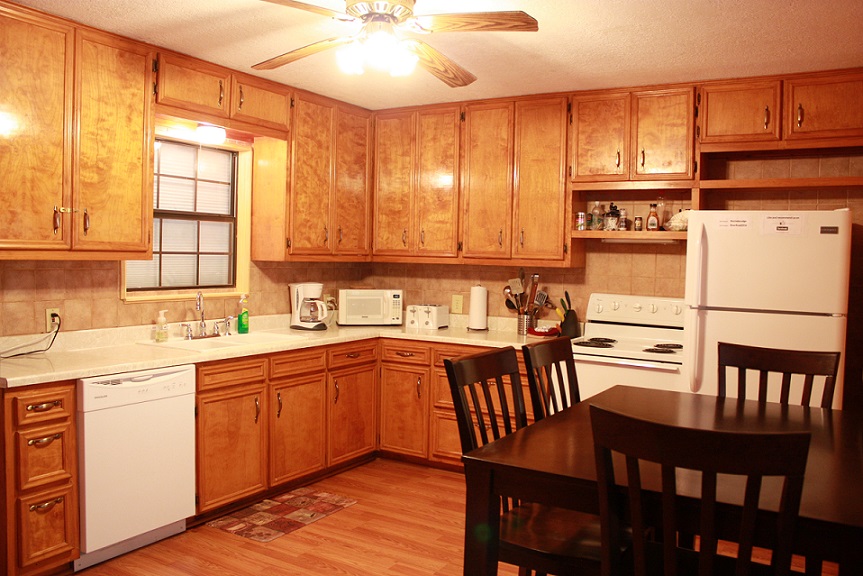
(799, 115)
(500, 237)
(352, 355)
(336, 385)
(642, 158)
(521, 238)
(405, 354)
(44, 407)
(42, 442)
(423, 237)
(419, 385)
(279, 400)
(340, 234)
(766, 117)
(242, 99)
(46, 506)
(405, 237)
(86, 222)
(326, 235)
(56, 219)
(257, 409)
(617, 161)
(221, 92)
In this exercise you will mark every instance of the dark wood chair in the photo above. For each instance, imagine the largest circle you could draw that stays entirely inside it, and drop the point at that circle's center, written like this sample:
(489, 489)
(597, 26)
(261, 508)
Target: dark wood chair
(489, 404)
(786, 362)
(551, 376)
(751, 456)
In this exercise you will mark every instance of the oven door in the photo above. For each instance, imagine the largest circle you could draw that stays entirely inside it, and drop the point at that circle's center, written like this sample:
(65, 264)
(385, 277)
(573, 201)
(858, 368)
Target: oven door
(598, 373)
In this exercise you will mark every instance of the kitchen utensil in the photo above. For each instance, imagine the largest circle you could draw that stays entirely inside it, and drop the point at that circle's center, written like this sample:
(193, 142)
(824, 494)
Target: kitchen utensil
(511, 305)
(568, 301)
(563, 305)
(560, 313)
(534, 285)
(517, 285)
(540, 299)
(510, 297)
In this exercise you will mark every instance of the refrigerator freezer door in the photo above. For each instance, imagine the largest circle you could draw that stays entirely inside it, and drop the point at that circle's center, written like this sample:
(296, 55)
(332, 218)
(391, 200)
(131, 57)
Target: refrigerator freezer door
(796, 261)
(706, 328)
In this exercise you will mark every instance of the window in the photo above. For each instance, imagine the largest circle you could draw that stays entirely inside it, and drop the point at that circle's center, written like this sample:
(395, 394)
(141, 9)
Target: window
(194, 220)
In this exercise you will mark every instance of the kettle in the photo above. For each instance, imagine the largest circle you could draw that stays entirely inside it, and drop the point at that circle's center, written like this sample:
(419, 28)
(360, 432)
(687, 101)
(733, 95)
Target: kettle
(308, 311)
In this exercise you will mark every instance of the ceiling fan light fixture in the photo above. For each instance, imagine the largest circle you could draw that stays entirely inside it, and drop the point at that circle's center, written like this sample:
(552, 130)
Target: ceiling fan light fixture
(379, 47)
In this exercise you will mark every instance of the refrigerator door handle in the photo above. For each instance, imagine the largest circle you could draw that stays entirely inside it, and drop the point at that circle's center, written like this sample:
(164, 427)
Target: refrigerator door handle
(694, 363)
(696, 242)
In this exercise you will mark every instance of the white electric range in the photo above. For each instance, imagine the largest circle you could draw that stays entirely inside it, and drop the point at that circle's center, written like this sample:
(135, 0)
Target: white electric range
(632, 340)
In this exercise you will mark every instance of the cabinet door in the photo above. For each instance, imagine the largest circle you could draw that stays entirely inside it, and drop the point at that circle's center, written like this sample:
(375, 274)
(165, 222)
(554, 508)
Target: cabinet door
(663, 134)
(47, 528)
(740, 112)
(311, 175)
(445, 443)
(297, 427)
(437, 187)
(270, 200)
(35, 131)
(260, 102)
(232, 441)
(114, 160)
(824, 106)
(540, 181)
(600, 137)
(193, 85)
(353, 183)
(394, 182)
(404, 409)
(487, 180)
(351, 414)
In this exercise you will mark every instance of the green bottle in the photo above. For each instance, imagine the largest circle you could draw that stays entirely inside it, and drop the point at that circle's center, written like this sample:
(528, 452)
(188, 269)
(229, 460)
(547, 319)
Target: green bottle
(243, 315)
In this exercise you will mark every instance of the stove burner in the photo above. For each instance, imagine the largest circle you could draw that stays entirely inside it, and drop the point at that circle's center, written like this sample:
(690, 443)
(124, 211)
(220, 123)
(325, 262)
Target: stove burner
(658, 350)
(593, 343)
(604, 340)
(669, 346)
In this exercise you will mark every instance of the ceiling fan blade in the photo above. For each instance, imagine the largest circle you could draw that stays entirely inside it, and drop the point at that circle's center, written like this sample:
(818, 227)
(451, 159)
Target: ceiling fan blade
(439, 65)
(312, 8)
(515, 21)
(295, 55)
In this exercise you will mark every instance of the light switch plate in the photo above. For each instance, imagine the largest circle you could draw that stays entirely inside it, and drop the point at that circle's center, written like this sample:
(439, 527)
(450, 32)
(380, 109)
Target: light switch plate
(457, 303)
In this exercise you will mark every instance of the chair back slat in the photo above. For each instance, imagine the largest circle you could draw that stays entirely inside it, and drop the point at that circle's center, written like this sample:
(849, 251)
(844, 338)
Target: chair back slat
(551, 375)
(681, 450)
(787, 363)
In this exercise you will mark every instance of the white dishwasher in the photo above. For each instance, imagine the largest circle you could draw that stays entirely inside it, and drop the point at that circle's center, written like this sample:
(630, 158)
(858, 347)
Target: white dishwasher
(136, 443)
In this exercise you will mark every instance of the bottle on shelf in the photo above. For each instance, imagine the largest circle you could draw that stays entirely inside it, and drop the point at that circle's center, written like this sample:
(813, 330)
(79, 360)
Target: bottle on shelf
(596, 222)
(612, 217)
(652, 219)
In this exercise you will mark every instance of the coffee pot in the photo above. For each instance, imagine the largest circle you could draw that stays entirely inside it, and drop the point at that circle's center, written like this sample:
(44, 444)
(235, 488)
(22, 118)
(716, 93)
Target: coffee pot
(308, 311)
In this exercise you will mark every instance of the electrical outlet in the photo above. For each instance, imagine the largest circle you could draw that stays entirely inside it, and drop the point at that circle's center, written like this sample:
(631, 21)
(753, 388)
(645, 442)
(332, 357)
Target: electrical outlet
(49, 322)
(457, 304)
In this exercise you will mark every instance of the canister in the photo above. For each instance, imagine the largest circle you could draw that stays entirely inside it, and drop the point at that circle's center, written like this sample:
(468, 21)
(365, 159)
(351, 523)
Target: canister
(581, 221)
(638, 224)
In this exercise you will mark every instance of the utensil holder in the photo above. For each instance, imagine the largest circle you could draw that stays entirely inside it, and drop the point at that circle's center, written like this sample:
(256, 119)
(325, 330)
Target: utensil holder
(569, 326)
(525, 321)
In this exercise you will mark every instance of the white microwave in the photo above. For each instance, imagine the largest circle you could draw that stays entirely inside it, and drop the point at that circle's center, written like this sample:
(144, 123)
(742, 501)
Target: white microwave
(370, 307)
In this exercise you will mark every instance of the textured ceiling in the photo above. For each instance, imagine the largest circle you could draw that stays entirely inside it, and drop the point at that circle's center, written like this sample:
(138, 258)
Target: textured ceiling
(581, 44)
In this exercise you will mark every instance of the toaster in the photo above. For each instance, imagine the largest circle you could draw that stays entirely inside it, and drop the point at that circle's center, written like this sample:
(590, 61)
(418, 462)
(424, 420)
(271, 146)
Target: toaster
(427, 316)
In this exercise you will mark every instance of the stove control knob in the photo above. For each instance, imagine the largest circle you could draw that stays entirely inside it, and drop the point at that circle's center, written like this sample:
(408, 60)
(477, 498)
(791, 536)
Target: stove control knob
(677, 310)
(599, 308)
(615, 305)
(636, 307)
(653, 309)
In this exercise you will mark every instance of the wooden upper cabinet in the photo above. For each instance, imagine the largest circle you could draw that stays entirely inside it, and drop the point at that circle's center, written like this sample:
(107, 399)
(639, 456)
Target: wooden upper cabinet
(541, 222)
(662, 135)
(260, 102)
(487, 180)
(352, 199)
(436, 228)
(824, 106)
(35, 130)
(312, 175)
(600, 137)
(746, 111)
(395, 141)
(113, 161)
(193, 85)
(270, 200)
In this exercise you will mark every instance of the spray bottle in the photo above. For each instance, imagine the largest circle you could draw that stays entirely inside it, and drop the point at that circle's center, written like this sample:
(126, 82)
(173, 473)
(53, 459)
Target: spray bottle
(243, 315)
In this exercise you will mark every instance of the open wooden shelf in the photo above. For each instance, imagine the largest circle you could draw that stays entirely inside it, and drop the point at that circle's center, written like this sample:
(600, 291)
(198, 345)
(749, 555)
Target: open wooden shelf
(628, 235)
(782, 183)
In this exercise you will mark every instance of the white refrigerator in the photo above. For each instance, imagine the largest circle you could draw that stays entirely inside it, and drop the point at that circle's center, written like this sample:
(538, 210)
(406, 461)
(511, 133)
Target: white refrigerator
(765, 278)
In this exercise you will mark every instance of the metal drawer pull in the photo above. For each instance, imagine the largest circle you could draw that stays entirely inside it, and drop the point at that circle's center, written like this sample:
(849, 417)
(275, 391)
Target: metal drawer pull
(419, 384)
(56, 219)
(423, 237)
(642, 158)
(42, 442)
(336, 384)
(257, 409)
(405, 354)
(766, 117)
(352, 355)
(326, 235)
(221, 92)
(799, 115)
(44, 407)
(521, 238)
(279, 398)
(46, 506)
(405, 237)
(500, 237)
(617, 162)
(340, 234)
(86, 222)
(242, 99)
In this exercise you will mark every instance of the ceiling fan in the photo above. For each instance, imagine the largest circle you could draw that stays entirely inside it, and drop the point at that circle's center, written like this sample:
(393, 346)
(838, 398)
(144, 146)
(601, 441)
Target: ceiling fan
(390, 18)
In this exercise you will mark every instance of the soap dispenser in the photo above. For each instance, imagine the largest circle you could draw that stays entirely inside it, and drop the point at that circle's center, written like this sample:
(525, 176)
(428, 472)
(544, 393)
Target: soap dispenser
(161, 327)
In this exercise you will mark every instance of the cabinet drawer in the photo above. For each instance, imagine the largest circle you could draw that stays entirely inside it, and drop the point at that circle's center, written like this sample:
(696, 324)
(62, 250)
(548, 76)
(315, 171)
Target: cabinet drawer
(405, 352)
(231, 372)
(299, 362)
(350, 354)
(48, 527)
(441, 353)
(44, 405)
(46, 454)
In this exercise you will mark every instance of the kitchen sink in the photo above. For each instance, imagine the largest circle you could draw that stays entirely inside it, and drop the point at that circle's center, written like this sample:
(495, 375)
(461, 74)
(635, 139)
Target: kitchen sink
(233, 341)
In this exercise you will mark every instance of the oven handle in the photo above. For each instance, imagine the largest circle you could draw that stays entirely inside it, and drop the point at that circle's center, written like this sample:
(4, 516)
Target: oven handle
(629, 363)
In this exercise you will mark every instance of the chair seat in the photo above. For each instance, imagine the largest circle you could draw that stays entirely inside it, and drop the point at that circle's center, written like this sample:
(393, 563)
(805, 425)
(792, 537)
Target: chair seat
(565, 537)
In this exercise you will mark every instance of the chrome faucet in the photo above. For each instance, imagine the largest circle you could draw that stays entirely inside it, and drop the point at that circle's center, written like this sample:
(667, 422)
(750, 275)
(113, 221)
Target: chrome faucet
(199, 306)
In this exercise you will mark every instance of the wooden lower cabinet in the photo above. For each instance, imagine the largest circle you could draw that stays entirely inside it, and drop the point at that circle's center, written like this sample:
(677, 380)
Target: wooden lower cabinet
(231, 431)
(351, 401)
(39, 483)
(405, 390)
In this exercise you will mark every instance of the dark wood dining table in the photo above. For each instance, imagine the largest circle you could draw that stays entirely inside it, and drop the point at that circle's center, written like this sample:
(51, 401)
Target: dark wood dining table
(552, 462)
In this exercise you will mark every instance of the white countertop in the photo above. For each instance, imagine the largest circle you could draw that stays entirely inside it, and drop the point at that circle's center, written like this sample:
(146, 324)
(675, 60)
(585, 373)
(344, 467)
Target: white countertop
(111, 351)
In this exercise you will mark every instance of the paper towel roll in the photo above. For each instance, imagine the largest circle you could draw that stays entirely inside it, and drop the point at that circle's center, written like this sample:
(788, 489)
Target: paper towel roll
(478, 315)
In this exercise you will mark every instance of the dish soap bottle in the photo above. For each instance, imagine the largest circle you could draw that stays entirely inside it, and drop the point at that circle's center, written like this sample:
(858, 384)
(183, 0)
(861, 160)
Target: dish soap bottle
(162, 327)
(243, 315)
